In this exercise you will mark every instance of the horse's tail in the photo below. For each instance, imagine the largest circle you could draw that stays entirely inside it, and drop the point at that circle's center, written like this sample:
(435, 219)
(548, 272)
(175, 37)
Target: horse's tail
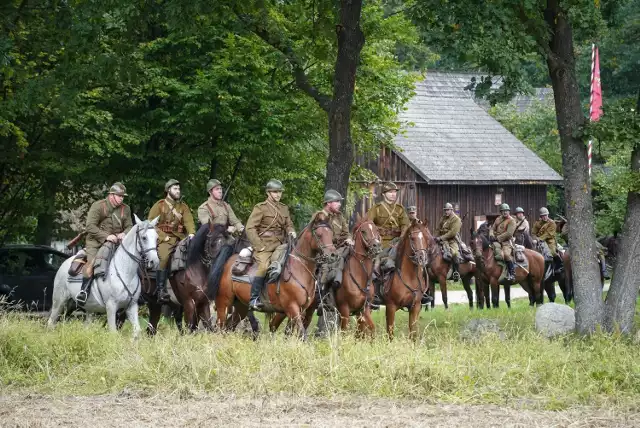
(215, 273)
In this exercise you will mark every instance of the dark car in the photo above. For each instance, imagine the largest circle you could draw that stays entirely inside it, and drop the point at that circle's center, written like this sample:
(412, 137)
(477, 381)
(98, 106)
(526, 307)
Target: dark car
(26, 275)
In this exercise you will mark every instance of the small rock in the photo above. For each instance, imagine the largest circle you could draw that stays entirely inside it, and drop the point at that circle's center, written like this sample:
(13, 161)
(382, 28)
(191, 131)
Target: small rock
(553, 319)
(477, 328)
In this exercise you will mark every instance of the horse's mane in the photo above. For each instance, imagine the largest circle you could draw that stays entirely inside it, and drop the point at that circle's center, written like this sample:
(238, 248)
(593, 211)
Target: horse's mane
(483, 238)
(196, 246)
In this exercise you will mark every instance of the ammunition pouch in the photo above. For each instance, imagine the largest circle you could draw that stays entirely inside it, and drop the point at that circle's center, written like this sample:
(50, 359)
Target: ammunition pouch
(169, 228)
(241, 264)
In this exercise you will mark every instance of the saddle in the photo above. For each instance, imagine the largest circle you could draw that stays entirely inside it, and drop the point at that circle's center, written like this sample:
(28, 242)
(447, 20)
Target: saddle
(78, 263)
(244, 268)
(520, 259)
(545, 251)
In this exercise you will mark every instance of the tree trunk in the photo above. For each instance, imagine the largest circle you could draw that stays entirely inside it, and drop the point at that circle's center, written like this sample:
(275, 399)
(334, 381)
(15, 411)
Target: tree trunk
(586, 275)
(620, 305)
(350, 43)
(44, 229)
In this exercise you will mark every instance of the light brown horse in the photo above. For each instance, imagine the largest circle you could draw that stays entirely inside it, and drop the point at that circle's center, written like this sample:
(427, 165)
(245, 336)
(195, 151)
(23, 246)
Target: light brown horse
(409, 281)
(294, 291)
(487, 265)
(438, 270)
(190, 285)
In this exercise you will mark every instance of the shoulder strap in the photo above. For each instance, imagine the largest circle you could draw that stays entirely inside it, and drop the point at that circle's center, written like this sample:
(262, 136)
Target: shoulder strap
(211, 213)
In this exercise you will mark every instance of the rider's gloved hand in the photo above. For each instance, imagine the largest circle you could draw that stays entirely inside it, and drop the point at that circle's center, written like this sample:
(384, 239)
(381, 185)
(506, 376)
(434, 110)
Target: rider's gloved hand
(112, 238)
(293, 234)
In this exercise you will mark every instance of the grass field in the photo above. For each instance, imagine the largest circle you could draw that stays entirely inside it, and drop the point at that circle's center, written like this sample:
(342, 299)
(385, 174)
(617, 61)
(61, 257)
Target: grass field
(524, 369)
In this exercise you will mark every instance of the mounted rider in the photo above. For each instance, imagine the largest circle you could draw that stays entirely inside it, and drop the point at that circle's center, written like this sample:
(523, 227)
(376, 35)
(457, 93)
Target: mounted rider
(522, 227)
(392, 221)
(412, 213)
(448, 229)
(545, 230)
(108, 220)
(502, 233)
(267, 229)
(175, 224)
(216, 211)
(342, 240)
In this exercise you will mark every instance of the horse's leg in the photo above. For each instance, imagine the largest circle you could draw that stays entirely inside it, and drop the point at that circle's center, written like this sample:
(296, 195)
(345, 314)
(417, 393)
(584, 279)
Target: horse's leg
(189, 315)
(442, 279)
(294, 314)
(132, 316)
(414, 314)
(155, 310)
(495, 292)
(391, 319)
(275, 322)
(178, 314)
(466, 283)
(365, 323)
(432, 292)
(345, 313)
(112, 310)
(479, 293)
(56, 308)
(205, 315)
(550, 288)
(487, 293)
(507, 295)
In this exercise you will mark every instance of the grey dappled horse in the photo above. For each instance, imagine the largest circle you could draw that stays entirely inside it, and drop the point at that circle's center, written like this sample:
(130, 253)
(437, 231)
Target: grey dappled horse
(120, 287)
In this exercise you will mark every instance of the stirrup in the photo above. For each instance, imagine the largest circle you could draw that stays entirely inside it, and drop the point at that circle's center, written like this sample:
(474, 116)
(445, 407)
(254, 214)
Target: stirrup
(455, 276)
(163, 296)
(81, 297)
(256, 305)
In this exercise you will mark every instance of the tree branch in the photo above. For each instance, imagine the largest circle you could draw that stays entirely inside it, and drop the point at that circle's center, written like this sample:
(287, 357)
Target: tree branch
(278, 43)
(540, 38)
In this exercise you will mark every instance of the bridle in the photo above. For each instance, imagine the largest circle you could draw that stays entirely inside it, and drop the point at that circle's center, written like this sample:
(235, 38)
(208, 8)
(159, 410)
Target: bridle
(418, 254)
(372, 250)
(323, 256)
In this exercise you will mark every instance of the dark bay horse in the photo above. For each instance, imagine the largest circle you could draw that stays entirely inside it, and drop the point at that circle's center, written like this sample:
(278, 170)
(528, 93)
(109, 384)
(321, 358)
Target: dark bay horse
(438, 270)
(487, 265)
(190, 285)
(294, 291)
(409, 281)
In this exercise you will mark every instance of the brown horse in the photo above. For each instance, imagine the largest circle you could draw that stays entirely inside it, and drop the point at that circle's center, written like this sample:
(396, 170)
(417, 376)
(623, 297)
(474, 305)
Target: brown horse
(531, 280)
(409, 281)
(293, 292)
(438, 270)
(190, 285)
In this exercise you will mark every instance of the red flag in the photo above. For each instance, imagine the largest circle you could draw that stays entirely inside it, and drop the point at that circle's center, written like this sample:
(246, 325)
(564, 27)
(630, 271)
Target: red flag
(595, 110)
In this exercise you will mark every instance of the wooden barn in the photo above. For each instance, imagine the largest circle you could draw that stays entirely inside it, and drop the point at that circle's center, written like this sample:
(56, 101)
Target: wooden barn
(452, 150)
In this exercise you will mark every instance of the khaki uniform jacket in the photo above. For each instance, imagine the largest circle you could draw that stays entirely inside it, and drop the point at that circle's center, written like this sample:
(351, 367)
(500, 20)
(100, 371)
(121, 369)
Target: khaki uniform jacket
(546, 231)
(503, 229)
(176, 220)
(390, 219)
(268, 225)
(522, 226)
(103, 220)
(449, 227)
(339, 227)
(218, 212)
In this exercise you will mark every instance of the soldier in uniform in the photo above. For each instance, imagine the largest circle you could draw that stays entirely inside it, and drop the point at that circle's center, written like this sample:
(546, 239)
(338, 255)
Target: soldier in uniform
(390, 217)
(391, 220)
(267, 228)
(502, 232)
(342, 239)
(522, 227)
(217, 211)
(447, 231)
(107, 220)
(412, 213)
(545, 230)
(175, 223)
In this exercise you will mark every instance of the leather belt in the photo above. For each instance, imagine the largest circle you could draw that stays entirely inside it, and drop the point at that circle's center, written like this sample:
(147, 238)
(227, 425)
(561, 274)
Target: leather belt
(390, 232)
(268, 234)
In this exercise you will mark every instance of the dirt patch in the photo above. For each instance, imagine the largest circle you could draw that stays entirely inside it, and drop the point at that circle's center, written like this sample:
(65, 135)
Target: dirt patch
(158, 411)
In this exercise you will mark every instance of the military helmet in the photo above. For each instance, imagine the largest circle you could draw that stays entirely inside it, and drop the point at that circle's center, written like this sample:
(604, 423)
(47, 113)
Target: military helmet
(448, 206)
(412, 209)
(332, 196)
(170, 183)
(118, 189)
(274, 186)
(212, 184)
(519, 210)
(544, 211)
(504, 207)
(389, 186)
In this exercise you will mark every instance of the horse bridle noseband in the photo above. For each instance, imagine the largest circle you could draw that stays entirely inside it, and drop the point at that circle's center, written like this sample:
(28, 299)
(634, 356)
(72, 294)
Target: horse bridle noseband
(371, 252)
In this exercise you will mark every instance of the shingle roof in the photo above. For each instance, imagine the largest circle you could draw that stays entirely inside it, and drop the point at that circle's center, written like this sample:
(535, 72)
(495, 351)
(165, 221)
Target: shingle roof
(541, 95)
(451, 139)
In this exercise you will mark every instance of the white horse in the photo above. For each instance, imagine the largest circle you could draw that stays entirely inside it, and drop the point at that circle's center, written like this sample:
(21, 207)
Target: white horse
(120, 288)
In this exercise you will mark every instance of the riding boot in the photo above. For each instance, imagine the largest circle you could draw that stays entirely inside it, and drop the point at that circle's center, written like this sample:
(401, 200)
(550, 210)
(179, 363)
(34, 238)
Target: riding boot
(256, 288)
(161, 286)
(511, 271)
(85, 288)
(454, 266)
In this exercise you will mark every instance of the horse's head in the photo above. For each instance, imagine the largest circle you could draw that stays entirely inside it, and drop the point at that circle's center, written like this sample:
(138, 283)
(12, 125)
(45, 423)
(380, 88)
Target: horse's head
(216, 238)
(418, 239)
(146, 242)
(322, 234)
(479, 242)
(366, 234)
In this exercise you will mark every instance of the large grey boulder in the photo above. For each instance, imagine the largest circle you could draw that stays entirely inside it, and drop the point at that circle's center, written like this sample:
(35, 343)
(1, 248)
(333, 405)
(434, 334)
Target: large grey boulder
(553, 319)
(478, 328)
